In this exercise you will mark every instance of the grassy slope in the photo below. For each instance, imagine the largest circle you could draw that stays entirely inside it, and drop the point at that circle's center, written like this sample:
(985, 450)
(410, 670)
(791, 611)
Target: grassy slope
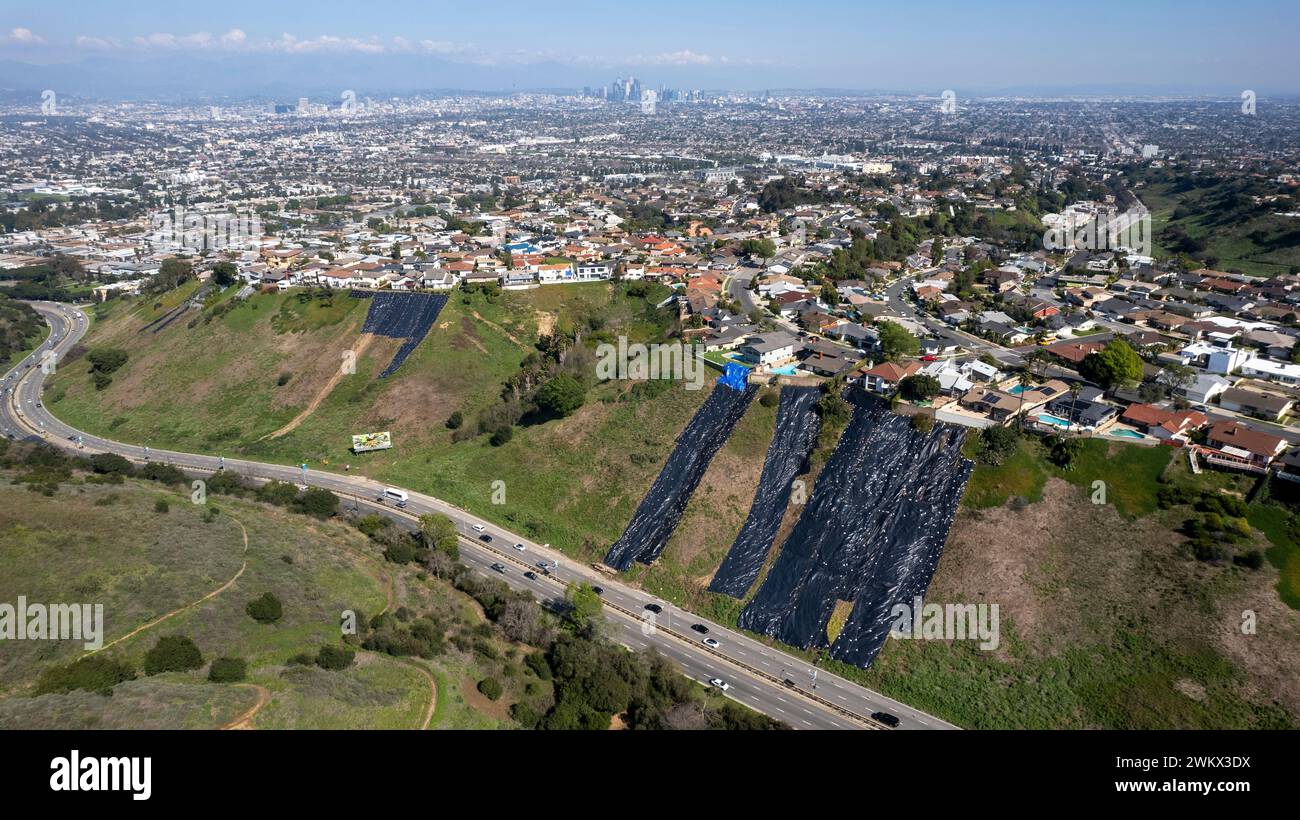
(1106, 620)
(110, 546)
(573, 483)
(1232, 244)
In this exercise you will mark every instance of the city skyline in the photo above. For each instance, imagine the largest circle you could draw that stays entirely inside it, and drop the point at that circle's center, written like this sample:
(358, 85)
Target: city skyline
(245, 49)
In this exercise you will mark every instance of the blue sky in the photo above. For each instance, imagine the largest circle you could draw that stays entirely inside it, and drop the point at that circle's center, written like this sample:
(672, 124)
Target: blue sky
(756, 43)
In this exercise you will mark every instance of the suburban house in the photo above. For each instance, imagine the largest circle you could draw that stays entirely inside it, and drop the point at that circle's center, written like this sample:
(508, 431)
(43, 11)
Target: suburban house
(884, 377)
(1086, 410)
(1243, 446)
(1073, 352)
(1253, 403)
(1164, 424)
(769, 349)
(996, 404)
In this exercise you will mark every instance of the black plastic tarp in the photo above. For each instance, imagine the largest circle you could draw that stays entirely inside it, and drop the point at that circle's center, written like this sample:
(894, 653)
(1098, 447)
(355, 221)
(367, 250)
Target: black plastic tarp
(871, 534)
(797, 426)
(402, 316)
(660, 511)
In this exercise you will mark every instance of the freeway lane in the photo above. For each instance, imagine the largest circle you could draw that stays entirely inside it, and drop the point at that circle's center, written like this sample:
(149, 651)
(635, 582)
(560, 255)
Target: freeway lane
(756, 671)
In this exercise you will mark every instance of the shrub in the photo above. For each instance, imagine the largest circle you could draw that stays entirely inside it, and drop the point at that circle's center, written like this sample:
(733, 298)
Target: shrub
(96, 673)
(266, 609)
(162, 473)
(996, 444)
(110, 463)
(1253, 559)
(922, 423)
(455, 420)
(561, 395)
(283, 380)
(525, 715)
(501, 436)
(161, 505)
(172, 653)
(491, 688)
(372, 525)
(536, 661)
(770, 398)
(101, 380)
(106, 359)
(400, 552)
(334, 657)
(316, 502)
(228, 670)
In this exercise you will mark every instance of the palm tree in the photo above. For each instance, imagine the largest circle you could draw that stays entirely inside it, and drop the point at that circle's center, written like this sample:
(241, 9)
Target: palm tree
(1024, 381)
(1075, 389)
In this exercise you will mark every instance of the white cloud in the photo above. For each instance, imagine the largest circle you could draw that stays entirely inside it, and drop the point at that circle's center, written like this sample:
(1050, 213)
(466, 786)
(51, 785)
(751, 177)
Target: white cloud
(97, 43)
(236, 40)
(23, 36)
(672, 58)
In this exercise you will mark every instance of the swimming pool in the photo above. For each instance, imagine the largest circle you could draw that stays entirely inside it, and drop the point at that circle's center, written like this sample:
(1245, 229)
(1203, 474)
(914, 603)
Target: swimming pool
(1055, 421)
(1017, 390)
(1126, 434)
(788, 370)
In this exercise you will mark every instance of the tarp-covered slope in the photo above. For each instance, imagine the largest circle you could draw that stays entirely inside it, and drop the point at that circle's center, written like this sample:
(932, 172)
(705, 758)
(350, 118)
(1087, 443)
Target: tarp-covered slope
(871, 534)
(661, 510)
(401, 315)
(797, 426)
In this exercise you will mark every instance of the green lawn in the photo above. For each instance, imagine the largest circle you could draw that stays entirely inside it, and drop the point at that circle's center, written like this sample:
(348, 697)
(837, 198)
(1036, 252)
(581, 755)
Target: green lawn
(1130, 473)
(1022, 476)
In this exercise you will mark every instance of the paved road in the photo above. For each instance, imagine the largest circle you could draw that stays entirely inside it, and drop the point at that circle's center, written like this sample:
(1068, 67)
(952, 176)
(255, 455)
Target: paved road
(755, 671)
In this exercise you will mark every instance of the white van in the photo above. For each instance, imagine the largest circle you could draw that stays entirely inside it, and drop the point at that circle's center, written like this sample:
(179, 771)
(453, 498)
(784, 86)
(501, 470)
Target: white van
(395, 494)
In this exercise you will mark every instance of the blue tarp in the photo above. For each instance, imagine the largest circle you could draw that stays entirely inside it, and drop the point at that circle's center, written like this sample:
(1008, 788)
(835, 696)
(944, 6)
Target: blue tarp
(735, 376)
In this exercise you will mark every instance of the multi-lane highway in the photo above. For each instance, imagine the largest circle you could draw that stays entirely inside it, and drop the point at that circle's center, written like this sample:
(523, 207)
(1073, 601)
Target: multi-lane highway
(759, 676)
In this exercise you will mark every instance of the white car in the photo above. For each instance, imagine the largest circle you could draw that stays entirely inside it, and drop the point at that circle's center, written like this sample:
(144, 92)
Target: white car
(479, 528)
(712, 643)
(519, 547)
(719, 683)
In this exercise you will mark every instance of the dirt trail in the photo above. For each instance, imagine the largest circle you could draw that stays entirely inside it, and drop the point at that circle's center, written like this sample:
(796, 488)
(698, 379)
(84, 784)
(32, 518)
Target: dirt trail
(323, 393)
(214, 593)
(245, 720)
(499, 329)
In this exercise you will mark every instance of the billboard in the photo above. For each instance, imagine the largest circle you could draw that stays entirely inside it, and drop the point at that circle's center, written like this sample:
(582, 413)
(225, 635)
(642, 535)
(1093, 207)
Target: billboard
(366, 442)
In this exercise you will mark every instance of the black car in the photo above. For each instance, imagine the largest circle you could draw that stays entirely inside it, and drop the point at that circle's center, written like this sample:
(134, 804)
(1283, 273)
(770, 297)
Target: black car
(788, 683)
(530, 575)
(885, 718)
(485, 538)
(700, 628)
(598, 590)
(655, 608)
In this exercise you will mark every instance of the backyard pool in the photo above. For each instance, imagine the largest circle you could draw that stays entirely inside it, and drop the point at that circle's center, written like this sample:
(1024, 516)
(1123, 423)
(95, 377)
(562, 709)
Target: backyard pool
(788, 370)
(1126, 434)
(1055, 421)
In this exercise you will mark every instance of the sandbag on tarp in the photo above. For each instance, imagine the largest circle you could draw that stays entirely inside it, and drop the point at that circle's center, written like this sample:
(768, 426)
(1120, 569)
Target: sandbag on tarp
(906, 567)
(884, 499)
(402, 316)
(661, 509)
(797, 426)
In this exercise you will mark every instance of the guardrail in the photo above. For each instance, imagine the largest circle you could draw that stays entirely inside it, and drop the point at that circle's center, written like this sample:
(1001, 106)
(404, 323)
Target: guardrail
(866, 721)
